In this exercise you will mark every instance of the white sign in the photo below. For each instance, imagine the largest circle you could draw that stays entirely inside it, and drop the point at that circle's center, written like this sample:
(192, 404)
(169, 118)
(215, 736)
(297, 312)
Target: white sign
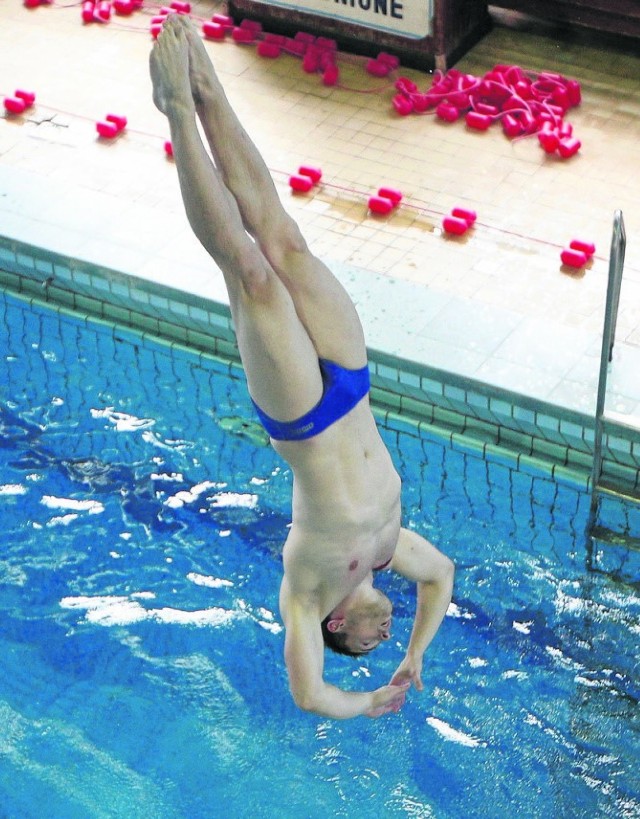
(409, 18)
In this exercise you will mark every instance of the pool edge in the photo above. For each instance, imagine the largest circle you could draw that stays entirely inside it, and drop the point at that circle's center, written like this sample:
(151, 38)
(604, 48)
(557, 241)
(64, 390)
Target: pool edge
(527, 431)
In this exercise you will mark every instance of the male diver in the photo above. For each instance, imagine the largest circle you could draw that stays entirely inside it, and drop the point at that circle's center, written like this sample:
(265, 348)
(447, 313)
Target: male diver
(303, 351)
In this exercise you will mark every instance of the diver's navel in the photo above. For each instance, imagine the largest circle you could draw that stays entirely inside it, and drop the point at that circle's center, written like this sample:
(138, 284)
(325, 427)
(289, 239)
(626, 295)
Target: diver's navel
(353, 565)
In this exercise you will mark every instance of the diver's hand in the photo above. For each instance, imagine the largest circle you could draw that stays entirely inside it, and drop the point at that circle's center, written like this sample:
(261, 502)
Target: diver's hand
(388, 698)
(409, 671)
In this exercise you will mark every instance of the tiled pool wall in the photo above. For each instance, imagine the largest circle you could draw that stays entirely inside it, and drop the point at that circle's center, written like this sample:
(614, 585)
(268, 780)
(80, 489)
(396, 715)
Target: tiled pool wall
(410, 397)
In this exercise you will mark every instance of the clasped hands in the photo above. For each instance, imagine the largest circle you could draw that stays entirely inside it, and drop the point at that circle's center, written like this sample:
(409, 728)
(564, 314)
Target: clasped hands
(391, 697)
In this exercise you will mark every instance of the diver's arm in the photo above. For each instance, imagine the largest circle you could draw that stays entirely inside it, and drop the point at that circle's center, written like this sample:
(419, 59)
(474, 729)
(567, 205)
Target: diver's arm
(304, 657)
(418, 560)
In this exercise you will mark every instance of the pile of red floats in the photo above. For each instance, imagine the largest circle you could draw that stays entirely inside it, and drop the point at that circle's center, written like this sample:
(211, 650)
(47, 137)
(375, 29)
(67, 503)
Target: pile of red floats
(525, 102)
(308, 177)
(111, 126)
(578, 253)
(19, 102)
(386, 200)
(459, 221)
(158, 20)
(99, 11)
(318, 54)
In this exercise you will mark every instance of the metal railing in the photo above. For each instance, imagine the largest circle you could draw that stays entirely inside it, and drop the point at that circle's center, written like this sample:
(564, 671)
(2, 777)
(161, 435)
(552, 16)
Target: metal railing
(616, 265)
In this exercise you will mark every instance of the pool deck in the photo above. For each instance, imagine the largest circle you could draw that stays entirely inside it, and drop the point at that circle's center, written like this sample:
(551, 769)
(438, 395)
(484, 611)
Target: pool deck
(495, 307)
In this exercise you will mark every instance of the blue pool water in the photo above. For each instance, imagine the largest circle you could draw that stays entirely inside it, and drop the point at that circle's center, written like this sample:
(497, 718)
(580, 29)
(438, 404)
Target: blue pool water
(142, 518)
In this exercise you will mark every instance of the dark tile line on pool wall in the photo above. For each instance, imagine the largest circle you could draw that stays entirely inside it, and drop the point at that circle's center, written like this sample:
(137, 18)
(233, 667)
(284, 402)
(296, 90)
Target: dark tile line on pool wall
(409, 396)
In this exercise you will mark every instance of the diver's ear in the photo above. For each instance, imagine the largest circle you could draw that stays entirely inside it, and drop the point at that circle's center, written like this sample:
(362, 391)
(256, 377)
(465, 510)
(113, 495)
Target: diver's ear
(335, 624)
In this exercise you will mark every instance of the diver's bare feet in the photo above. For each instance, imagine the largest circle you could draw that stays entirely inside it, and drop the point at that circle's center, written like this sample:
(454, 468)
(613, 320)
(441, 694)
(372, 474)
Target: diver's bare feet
(169, 67)
(204, 81)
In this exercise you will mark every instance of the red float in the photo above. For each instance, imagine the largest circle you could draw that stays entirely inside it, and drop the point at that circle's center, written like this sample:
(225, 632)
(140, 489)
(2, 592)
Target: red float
(331, 75)
(301, 184)
(403, 105)
(107, 130)
(391, 193)
(119, 121)
(588, 248)
(213, 31)
(568, 147)
(268, 49)
(468, 215)
(315, 174)
(455, 225)
(380, 205)
(480, 122)
(573, 258)
(28, 97)
(447, 112)
(14, 105)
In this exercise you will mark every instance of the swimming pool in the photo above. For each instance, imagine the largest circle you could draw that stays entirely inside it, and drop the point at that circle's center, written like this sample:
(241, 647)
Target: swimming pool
(143, 515)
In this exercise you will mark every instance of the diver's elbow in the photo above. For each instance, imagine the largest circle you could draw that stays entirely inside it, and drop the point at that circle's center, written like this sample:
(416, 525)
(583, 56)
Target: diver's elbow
(305, 701)
(449, 569)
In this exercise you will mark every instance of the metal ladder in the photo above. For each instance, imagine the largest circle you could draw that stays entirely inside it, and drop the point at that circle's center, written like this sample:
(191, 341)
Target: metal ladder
(599, 485)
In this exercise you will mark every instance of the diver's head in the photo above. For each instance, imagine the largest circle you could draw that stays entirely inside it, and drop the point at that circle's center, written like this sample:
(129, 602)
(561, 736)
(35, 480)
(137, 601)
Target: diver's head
(359, 623)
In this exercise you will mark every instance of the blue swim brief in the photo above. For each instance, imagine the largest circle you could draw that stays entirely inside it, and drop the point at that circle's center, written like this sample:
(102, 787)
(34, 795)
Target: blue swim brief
(343, 389)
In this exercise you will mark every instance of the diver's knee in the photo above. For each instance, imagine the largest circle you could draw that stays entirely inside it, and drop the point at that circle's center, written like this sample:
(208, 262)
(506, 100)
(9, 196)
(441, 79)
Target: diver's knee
(256, 277)
(284, 243)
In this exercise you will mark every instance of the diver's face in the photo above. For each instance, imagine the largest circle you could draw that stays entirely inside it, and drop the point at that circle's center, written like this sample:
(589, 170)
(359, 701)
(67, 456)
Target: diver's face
(367, 627)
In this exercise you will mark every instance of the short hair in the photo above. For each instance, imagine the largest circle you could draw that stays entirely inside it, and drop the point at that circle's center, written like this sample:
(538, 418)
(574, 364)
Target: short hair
(336, 640)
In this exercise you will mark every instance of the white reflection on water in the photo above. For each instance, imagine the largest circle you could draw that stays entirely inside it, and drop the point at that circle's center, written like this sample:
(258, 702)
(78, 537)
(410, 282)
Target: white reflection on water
(452, 735)
(113, 610)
